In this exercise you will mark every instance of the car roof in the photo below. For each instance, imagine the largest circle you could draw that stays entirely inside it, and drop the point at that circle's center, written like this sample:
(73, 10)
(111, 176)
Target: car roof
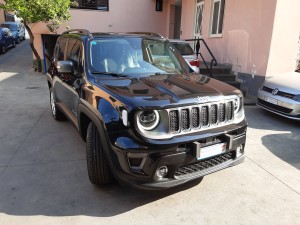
(10, 22)
(79, 33)
(177, 41)
(97, 34)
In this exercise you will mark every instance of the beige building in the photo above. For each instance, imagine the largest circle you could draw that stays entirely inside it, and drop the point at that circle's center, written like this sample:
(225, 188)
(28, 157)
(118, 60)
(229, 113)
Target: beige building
(258, 38)
(2, 18)
(2, 15)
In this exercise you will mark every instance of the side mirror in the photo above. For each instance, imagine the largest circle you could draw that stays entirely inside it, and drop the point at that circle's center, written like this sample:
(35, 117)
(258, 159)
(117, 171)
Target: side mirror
(65, 67)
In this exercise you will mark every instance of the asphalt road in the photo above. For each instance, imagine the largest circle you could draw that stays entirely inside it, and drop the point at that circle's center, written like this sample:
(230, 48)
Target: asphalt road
(43, 175)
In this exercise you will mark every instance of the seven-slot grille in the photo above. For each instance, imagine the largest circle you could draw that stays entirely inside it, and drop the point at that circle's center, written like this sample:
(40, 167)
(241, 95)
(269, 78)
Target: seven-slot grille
(200, 116)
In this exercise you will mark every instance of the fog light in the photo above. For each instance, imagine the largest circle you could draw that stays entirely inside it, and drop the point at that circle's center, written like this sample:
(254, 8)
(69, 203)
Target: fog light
(161, 172)
(239, 151)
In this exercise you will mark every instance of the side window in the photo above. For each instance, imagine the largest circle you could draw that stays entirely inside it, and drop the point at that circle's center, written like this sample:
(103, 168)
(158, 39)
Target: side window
(60, 49)
(74, 54)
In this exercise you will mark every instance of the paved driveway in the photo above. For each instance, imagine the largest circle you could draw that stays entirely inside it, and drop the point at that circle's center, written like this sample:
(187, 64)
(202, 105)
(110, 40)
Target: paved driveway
(43, 176)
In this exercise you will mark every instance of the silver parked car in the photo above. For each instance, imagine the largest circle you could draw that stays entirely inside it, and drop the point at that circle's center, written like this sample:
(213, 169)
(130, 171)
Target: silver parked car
(187, 53)
(281, 95)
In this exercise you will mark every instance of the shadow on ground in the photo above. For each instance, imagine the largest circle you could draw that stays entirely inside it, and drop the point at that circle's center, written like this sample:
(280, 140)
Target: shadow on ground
(279, 135)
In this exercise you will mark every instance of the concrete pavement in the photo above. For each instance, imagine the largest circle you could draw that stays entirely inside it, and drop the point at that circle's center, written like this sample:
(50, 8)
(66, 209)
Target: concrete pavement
(43, 176)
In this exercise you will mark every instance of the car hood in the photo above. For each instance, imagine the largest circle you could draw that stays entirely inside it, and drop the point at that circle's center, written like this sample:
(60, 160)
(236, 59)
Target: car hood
(288, 82)
(166, 90)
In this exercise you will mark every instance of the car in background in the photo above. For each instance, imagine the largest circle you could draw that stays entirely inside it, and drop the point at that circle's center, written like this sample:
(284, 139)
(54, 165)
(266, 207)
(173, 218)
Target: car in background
(281, 95)
(187, 53)
(7, 40)
(17, 29)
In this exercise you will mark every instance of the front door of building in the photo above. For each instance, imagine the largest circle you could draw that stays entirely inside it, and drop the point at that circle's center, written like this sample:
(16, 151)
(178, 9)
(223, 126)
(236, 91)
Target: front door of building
(198, 18)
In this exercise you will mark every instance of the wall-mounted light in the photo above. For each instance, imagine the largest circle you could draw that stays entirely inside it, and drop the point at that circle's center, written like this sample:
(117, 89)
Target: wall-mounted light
(159, 5)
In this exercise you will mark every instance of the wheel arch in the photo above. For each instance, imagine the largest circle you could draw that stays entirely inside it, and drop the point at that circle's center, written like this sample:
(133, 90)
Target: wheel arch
(87, 115)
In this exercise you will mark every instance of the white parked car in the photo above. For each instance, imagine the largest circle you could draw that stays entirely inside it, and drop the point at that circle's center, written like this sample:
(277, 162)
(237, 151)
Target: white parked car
(187, 53)
(281, 95)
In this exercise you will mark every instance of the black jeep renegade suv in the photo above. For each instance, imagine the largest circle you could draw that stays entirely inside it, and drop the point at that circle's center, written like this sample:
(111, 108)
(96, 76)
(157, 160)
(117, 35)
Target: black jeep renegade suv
(145, 119)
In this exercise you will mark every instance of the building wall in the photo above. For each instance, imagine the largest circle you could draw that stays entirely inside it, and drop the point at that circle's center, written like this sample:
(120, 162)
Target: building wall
(285, 41)
(123, 16)
(246, 38)
(187, 19)
(1, 16)
(247, 32)
(1, 13)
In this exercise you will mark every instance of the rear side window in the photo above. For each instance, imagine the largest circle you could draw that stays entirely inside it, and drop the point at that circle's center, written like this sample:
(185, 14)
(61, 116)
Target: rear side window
(74, 54)
(184, 48)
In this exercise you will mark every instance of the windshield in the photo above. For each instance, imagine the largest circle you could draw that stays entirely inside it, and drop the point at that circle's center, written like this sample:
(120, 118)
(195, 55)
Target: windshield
(135, 56)
(184, 48)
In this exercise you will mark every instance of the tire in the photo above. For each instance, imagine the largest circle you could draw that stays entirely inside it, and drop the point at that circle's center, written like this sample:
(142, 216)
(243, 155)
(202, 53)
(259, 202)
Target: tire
(19, 40)
(56, 113)
(97, 165)
(14, 44)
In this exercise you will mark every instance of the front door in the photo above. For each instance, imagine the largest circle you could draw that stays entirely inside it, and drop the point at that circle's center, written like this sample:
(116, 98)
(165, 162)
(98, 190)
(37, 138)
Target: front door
(72, 82)
(198, 19)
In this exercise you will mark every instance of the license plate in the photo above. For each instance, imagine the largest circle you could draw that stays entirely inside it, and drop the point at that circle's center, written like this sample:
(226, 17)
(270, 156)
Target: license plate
(271, 100)
(212, 150)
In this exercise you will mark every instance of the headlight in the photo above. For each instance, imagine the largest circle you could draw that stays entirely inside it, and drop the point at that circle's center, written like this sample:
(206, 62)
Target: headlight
(296, 98)
(148, 120)
(237, 104)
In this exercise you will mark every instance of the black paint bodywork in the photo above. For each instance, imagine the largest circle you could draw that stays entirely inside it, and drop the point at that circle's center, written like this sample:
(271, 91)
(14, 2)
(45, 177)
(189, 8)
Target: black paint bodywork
(101, 99)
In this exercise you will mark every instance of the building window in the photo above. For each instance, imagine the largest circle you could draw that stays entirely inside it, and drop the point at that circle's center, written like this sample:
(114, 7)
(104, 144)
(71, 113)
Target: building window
(8, 17)
(217, 15)
(90, 4)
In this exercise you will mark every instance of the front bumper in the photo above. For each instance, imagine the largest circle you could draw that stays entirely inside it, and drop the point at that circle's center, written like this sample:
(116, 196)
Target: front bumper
(138, 167)
(279, 105)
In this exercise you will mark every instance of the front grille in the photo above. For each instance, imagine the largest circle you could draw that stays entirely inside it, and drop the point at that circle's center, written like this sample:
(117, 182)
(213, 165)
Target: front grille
(279, 93)
(275, 107)
(185, 118)
(174, 121)
(204, 117)
(222, 112)
(195, 118)
(201, 116)
(204, 164)
(214, 114)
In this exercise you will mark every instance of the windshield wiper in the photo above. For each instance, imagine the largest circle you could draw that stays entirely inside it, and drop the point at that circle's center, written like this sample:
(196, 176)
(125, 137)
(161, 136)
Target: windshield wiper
(109, 73)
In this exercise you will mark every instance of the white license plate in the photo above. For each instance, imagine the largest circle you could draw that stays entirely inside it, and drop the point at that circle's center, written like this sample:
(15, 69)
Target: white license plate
(212, 150)
(271, 100)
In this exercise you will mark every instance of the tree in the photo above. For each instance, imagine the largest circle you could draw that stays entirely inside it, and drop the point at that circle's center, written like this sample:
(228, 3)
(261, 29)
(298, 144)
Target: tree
(52, 12)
